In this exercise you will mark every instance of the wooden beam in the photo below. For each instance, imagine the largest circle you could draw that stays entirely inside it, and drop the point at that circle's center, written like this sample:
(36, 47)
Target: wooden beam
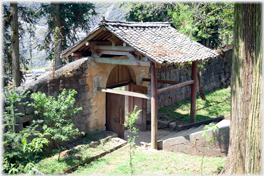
(116, 48)
(165, 89)
(119, 84)
(119, 53)
(114, 39)
(162, 81)
(82, 43)
(193, 92)
(121, 61)
(154, 107)
(76, 55)
(122, 92)
(98, 42)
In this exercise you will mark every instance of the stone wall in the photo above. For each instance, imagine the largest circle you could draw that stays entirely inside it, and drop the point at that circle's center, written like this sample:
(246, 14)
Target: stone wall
(217, 73)
(83, 75)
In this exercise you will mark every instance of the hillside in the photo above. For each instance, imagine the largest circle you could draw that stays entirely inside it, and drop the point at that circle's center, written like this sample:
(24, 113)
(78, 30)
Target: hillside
(111, 11)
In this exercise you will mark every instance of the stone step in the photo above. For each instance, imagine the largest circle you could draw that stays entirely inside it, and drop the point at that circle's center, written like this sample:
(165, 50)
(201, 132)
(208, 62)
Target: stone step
(185, 133)
(192, 140)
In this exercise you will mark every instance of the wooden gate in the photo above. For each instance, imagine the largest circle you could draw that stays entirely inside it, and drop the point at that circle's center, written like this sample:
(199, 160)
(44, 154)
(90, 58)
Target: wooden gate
(141, 103)
(115, 104)
(115, 112)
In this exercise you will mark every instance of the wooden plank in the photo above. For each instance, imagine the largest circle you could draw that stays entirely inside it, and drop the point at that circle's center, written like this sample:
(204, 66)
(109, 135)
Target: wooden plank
(116, 48)
(193, 92)
(162, 81)
(122, 92)
(141, 104)
(165, 89)
(118, 53)
(154, 107)
(76, 54)
(119, 84)
(121, 61)
(98, 42)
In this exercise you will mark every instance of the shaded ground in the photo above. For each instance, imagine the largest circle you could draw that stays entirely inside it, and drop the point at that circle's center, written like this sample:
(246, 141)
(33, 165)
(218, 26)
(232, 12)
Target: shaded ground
(217, 104)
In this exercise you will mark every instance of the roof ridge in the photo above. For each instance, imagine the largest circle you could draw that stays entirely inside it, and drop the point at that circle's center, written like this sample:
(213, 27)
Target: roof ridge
(133, 23)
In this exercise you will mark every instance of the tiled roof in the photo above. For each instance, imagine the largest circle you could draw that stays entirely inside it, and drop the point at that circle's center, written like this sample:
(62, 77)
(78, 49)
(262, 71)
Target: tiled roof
(159, 41)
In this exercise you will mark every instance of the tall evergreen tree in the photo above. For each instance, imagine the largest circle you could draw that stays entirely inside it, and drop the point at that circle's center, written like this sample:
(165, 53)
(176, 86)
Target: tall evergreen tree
(245, 149)
(15, 45)
(12, 47)
(69, 18)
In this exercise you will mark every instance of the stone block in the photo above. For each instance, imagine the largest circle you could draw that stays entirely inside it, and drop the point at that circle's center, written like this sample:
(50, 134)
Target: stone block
(29, 110)
(162, 124)
(85, 96)
(19, 127)
(172, 125)
(82, 81)
(86, 112)
(167, 102)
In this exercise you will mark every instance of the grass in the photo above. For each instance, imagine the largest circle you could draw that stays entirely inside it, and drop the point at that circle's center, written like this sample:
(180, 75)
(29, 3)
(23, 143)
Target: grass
(81, 155)
(156, 163)
(217, 104)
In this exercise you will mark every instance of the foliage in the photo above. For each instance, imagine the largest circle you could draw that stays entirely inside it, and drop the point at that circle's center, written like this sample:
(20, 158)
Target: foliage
(12, 99)
(132, 133)
(212, 127)
(27, 18)
(207, 22)
(148, 11)
(73, 17)
(55, 114)
(19, 147)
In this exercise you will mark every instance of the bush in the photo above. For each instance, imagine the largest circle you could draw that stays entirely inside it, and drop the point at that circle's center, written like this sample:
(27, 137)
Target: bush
(55, 115)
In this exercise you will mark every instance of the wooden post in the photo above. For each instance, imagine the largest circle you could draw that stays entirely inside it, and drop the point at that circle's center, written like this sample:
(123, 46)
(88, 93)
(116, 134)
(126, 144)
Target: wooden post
(193, 92)
(154, 107)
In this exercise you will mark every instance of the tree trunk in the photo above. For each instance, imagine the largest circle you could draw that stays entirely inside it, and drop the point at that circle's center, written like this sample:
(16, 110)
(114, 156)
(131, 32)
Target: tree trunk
(57, 35)
(244, 154)
(15, 45)
(200, 83)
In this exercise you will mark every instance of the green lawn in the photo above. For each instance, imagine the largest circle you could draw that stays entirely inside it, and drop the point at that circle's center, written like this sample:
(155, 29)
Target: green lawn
(217, 104)
(154, 163)
(82, 155)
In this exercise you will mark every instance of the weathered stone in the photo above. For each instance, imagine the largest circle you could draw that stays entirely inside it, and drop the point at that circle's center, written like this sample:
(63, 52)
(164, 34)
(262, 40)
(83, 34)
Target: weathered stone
(172, 125)
(29, 110)
(21, 108)
(82, 81)
(97, 81)
(167, 102)
(163, 124)
(86, 111)
(87, 96)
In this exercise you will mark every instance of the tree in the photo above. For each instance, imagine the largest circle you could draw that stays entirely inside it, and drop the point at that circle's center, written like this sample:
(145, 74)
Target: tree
(148, 12)
(69, 18)
(55, 115)
(244, 154)
(207, 23)
(15, 45)
(26, 15)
